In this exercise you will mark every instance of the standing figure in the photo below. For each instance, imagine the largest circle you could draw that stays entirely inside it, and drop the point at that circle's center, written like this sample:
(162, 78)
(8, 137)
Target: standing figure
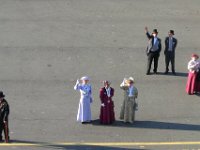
(198, 79)
(84, 110)
(193, 67)
(170, 46)
(107, 115)
(129, 104)
(4, 112)
(153, 50)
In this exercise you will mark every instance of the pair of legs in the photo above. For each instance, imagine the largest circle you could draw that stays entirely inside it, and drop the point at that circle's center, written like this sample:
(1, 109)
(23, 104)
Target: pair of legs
(169, 57)
(4, 127)
(152, 56)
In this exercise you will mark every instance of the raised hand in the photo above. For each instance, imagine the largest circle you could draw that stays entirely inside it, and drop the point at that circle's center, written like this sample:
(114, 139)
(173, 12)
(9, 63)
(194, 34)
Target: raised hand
(146, 29)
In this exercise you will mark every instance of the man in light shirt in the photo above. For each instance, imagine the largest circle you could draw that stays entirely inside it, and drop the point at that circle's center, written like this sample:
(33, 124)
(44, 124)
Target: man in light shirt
(153, 50)
(170, 46)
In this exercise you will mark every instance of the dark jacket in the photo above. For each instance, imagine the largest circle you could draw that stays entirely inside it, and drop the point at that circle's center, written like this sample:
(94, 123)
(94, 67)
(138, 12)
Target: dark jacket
(4, 110)
(174, 44)
(150, 43)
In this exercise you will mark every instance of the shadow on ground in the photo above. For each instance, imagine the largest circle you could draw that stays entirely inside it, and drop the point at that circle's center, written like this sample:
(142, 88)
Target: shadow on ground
(178, 74)
(88, 147)
(152, 125)
(64, 146)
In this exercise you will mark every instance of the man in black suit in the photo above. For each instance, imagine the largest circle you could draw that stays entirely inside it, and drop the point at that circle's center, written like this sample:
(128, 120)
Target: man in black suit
(170, 46)
(153, 50)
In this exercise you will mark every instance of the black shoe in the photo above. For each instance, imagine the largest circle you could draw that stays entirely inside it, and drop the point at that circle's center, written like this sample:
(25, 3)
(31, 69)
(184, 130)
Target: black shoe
(155, 72)
(86, 122)
(174, 73)
(148, 73)
(166, 72)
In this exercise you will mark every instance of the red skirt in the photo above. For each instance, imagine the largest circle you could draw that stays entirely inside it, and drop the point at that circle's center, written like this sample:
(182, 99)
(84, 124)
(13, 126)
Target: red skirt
(198, 82)
(191, 85)
(107, 115)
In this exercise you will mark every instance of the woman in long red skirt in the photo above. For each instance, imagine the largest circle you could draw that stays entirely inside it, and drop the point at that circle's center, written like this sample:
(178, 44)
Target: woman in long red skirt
(193, 67)
(107, 115)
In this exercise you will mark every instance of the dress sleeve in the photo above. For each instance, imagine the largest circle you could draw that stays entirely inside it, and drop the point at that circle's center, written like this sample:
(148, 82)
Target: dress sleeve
(112, 92)
(76, 87)
(122, 85)
(101, 94)
(136, 92)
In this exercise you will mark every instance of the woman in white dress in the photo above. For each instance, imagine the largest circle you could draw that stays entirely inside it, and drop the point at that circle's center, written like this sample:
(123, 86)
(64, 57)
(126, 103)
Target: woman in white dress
(84, 110)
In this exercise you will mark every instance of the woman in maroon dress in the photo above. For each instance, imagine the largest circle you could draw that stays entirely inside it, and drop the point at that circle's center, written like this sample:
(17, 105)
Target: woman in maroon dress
(193, 67)
(107, 115)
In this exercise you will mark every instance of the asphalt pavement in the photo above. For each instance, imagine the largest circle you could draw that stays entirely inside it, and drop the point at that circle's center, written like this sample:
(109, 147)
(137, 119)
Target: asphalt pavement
(46, 45)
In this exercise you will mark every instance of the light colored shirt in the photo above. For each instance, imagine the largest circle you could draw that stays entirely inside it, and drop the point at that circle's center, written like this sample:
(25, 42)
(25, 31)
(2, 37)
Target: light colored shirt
(108, 91)
(170, 44)
(155, 40)
(130, 90)
(193, 65)
(155, 45)
(85, 89)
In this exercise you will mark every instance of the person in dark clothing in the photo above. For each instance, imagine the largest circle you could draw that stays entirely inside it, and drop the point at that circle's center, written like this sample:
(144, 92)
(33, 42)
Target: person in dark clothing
(170, 46)
(107, 114)
(4, 112)
(153, 50)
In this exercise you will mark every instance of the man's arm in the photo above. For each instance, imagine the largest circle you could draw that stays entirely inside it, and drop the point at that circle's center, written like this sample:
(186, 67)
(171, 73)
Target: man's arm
(147, 33)
(176, 41)
(160, 45)
(166, 45)
(6, 109)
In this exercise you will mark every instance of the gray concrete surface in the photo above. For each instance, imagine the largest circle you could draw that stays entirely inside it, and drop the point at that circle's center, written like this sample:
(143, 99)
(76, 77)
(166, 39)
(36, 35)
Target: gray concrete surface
(45, 45)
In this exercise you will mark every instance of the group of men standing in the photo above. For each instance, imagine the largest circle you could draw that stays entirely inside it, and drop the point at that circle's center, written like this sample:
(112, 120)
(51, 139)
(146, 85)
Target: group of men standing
(154, 48)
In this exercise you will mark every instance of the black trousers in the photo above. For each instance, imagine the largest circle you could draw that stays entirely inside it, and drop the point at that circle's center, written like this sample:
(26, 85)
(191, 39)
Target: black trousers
(152, 56)
(170, 57)
(2, 128)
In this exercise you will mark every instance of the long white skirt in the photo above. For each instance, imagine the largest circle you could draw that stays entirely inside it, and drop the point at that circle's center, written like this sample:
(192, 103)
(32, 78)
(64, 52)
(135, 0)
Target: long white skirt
(84, 110)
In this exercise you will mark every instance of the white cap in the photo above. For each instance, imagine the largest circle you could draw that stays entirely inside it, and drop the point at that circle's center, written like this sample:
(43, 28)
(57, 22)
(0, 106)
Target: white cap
(85, 78)
(131, 78)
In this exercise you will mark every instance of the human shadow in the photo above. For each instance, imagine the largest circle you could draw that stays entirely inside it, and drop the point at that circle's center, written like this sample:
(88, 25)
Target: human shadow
(90, 147)
(117, 123)
(15, 141)
(178, 74)
(197, 94)
(166, 125)
(66, 146)
(152, 125)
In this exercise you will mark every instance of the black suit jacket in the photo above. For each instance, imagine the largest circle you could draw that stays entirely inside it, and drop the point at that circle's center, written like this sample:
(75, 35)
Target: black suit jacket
(4, 111)
(151, 42)
(174, 44)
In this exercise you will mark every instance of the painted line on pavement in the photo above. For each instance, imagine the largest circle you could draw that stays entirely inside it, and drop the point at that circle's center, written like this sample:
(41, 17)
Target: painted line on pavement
(103, 144)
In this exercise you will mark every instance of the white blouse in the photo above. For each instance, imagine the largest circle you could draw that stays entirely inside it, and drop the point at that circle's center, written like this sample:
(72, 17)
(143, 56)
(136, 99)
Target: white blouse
(193, 65)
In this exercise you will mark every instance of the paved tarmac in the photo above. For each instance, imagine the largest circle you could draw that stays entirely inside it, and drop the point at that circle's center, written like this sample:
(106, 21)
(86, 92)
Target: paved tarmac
(45, 45)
